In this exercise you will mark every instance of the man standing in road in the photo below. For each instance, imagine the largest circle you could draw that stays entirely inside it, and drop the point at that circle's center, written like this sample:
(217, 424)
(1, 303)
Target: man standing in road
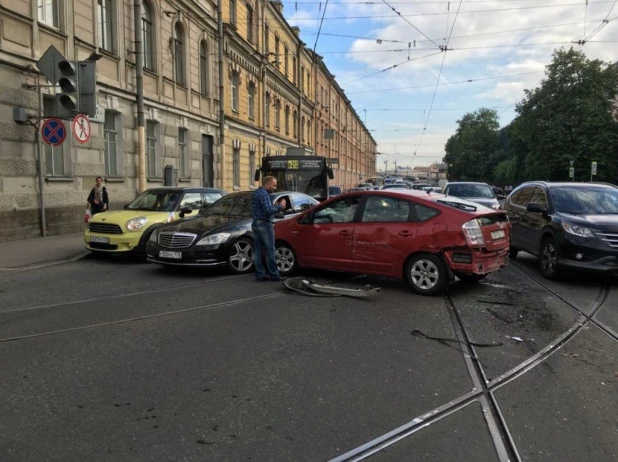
(263, 231)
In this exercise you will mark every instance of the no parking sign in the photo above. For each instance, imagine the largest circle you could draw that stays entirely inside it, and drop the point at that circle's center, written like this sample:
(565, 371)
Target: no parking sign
(53, 131)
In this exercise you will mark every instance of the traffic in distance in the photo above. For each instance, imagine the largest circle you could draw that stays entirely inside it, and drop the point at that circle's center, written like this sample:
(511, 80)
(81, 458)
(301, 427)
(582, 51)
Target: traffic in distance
(419, 232)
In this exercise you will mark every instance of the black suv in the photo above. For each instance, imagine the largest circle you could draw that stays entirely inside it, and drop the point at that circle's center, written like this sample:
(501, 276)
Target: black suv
(566, 225)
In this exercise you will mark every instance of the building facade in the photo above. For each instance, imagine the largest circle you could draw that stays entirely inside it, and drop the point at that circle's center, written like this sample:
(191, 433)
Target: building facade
(268, 95)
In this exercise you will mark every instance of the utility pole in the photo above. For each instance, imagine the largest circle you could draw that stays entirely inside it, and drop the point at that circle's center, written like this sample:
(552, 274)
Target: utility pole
(139, 83)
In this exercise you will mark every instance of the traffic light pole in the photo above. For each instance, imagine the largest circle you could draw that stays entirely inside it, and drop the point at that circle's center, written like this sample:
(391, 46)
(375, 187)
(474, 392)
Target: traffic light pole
(139, 83)
(39, 158)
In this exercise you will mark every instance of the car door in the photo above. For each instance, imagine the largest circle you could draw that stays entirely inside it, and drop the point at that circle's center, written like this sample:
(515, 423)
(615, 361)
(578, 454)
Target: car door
(326, 240)
(384, 231)
(518, 216)
(536, 222)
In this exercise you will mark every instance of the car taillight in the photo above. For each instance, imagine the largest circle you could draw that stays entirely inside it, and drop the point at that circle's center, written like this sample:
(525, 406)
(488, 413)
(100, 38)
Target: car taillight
(474, 234)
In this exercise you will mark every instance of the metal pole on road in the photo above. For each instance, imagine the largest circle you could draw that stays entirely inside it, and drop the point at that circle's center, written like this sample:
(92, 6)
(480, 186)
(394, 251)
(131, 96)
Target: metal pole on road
(139, 83)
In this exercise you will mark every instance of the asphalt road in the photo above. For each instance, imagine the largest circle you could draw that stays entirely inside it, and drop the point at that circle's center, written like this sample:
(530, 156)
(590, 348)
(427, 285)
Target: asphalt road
(111, 359)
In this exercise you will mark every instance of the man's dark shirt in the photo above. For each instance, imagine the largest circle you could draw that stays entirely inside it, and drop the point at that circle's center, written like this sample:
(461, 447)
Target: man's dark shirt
(262, 207)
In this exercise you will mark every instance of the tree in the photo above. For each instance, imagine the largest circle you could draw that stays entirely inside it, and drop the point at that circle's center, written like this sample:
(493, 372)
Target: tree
(472, 152)
(570, 116)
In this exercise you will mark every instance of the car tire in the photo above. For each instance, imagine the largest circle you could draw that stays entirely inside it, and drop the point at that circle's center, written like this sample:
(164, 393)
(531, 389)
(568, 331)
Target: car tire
(513, 253)
(286, 259)
(467, 277)
(548, 259)
(427, 274)
(240, 259)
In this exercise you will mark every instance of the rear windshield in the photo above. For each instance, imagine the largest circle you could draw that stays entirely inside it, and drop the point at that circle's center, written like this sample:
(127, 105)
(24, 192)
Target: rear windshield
(334, 190)
(585, 201)
(155, 201)
(470, 190)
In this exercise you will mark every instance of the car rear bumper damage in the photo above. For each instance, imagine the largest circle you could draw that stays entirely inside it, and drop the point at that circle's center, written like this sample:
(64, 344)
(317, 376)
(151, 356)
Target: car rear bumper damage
(475, 261)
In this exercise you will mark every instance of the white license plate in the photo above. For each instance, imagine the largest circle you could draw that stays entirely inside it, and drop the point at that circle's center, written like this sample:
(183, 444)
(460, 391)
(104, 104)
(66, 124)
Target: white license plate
(102, 240)
(166, 254)
(497, 234)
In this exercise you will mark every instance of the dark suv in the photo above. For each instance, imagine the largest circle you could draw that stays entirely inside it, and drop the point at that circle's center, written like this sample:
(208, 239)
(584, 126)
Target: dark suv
(566, 225)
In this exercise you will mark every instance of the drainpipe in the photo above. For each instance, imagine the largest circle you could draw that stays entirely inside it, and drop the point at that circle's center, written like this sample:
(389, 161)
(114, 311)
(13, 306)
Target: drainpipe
(263, 64)
(221, 98)
(300, 78)
(139, 83)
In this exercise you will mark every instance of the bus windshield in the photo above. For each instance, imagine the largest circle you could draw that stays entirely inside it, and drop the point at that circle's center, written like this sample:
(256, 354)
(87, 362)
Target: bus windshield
(309, 181)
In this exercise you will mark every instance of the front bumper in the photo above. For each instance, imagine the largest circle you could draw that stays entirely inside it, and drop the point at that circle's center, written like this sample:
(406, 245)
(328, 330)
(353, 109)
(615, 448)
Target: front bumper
(207, 256)
(593, 255)
(116, 242)
(475, 261)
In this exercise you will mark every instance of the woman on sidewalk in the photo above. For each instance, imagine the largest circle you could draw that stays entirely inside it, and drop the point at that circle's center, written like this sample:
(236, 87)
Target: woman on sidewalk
(98, 200)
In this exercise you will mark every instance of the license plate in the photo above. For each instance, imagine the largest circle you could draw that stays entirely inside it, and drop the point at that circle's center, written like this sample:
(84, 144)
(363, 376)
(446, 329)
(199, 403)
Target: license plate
(102, 240)
(497, 234)
(166, 254)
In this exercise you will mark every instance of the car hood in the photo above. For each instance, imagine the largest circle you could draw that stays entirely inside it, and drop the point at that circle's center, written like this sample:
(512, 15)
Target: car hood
(120, 217)
(481, 200)
(209, 224)
(602, 222)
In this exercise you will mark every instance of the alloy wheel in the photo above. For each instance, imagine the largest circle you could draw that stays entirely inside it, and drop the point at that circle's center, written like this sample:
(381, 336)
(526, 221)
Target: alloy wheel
(241, 256)
(424, 274)
(549, 258)
(285, 259)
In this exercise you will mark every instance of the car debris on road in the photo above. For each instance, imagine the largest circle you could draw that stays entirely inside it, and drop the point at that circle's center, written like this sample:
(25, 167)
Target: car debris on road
(309, 287)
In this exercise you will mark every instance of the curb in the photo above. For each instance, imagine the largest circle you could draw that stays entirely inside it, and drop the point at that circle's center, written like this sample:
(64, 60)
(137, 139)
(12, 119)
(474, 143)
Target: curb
(34, 266)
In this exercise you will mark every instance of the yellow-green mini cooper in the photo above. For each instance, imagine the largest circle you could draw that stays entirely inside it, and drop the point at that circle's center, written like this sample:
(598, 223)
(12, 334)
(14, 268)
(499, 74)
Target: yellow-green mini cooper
(128, 230)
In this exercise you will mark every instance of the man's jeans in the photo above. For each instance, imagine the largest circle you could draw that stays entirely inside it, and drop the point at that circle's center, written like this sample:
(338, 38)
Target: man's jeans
(264, 241)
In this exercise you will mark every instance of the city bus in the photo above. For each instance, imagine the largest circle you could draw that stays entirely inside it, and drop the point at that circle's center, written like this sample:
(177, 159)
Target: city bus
(306, 174)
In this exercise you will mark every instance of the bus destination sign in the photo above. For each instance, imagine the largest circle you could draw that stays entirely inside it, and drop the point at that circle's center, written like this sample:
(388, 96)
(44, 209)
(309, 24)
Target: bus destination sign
(295, 164)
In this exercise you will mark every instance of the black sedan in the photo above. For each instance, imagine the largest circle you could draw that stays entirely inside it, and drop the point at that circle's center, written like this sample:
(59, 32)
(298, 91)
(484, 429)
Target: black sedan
(218, 235)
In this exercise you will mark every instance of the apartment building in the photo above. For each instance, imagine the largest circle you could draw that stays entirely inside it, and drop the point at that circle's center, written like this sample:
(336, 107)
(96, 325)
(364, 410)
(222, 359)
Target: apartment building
(269, 93)
(180, 93)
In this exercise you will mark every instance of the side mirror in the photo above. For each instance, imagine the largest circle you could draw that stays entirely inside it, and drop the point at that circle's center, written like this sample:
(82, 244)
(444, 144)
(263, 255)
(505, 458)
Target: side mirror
(185, 211)
(279, 215)
(126, 206)
(535, 207)
(257, 175)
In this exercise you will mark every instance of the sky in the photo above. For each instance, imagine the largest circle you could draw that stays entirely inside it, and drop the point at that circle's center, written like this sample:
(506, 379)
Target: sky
(388, 56)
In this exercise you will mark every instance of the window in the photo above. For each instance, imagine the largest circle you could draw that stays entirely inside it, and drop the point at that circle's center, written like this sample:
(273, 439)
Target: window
(151, 150)
(106, 25)
(278, 115)
(249, 24)
(232, 6)
(385, 209)
(302, 127)
(193, 200)
(110, 135)
(183, 169)
(49, 12)
(236, 167)
(295, 122)
(147, 36)
(287, 120)
(252, 100)
(251, 167)
(267, 109)
(242, 207)
(302, 79)
(300, 202)
(308, 131)
(522, 197)
(308, 82)
(235, 84)
(341, 211)
(424, 213)
(204, 69)
(294, 70)
(539, 197)
(277, 57)
(55, 159)
(179, 55)
(266, 39)
(285, 60)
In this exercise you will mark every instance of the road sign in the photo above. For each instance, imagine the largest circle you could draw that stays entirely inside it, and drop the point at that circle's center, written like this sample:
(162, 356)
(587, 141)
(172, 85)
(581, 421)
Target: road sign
(594, 168)
(81, 128)
(54, 132)
(571, 172)
(48, 64)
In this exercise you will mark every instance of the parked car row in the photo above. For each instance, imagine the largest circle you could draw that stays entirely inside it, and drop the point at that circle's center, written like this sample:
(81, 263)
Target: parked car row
(424, 239)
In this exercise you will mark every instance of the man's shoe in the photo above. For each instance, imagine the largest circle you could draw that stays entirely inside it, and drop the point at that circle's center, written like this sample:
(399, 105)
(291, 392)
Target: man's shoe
(281, 279)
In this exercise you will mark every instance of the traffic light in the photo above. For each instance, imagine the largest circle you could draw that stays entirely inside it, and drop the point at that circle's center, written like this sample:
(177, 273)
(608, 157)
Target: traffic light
(68, 99)
(78, 87)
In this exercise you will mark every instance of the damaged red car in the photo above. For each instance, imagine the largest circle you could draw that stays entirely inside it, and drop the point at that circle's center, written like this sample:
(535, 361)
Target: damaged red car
(424, 239)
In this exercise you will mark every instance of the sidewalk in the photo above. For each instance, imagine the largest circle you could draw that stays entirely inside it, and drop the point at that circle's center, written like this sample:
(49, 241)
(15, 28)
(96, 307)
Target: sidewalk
(41, 251)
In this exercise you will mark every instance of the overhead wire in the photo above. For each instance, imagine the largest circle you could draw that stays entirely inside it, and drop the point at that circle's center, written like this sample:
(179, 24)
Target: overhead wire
(392, 67)
(415, 28)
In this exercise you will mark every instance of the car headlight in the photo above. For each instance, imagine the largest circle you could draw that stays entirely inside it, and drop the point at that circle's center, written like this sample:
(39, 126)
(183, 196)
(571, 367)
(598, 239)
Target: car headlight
(577, 230)
(495, 206)
(214, 239)
(136, 223)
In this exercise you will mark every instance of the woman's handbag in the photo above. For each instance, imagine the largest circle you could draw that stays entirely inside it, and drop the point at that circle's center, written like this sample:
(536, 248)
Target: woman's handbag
(87, 216)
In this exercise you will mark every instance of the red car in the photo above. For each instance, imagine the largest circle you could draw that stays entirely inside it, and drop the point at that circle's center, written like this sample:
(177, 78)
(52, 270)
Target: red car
(425, 239)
